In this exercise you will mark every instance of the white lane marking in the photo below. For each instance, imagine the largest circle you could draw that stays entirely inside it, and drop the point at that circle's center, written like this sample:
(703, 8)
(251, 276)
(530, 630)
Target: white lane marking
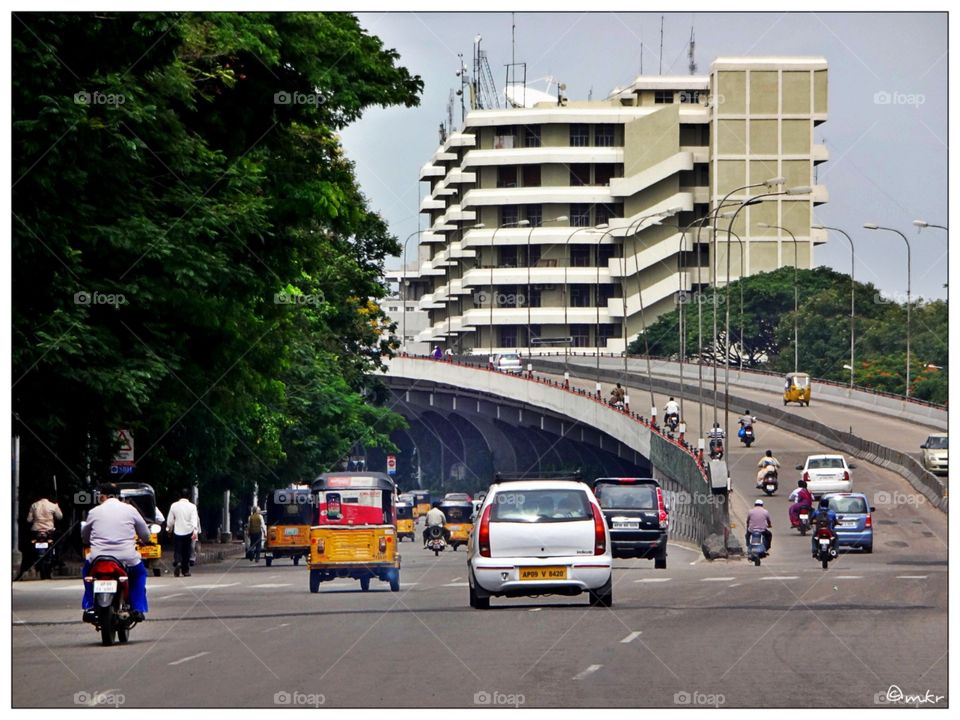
(911, 577)
(717, 579)
(589, 671)
(653, 580)
(191, 657)
(781, 577)
(271, 585)
(735, 585)
(849, 577)
(167, 597)
(460, 584)
(210, 587)
(408, 584)
(632, 636)
(535, 609)
(455, 579)
(281, 625)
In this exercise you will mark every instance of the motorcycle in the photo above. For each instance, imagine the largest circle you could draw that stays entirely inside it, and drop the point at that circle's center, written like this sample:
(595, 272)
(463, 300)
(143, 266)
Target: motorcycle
(746, 435)
(111, 599)
(769, 483)
(757, 548)
(435, 539)
(45, 550)
(671, 421)
(804, 517)
(716, 448)
(825, 550)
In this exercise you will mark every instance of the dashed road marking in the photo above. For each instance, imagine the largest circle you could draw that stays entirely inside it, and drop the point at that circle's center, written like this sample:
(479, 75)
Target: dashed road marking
(653, 580)
(271, 585)
(191, 657)
(167, 597)
(911, 577)
(781, 577)
(457, 584)
(281, 625)
(211, 587)
(632, 636)
(849, 577)
(717, 579)
(535, 609)
(589, 671)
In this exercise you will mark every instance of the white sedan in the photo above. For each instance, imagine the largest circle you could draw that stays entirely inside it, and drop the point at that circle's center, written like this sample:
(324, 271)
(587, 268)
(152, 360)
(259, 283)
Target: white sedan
(827, 474)
(540, 537)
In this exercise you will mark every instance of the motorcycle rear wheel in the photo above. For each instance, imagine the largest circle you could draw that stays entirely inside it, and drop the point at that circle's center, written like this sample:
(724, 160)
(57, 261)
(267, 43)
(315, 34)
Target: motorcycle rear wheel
(108, 629)
(825, 561)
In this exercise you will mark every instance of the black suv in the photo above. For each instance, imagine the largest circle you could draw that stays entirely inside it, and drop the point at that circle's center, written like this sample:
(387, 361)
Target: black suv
(637, 515)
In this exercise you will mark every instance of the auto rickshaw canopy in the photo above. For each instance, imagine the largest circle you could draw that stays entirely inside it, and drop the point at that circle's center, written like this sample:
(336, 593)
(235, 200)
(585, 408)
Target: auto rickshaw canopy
(142, 497)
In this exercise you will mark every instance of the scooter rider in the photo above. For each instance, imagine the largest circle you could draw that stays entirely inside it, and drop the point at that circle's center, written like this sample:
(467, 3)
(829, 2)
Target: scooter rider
(803, 498)
(671, 409)
(435, 518)
(111, 529)
(767, 461)
(716, 436)
(822, 517)
(617, 395)
(758, 520)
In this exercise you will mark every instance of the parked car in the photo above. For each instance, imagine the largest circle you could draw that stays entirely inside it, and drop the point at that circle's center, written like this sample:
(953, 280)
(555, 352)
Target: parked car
(854, 520)
(508, 363)
(637, 515)
(826, 474)
(540, 537)
(935, 453)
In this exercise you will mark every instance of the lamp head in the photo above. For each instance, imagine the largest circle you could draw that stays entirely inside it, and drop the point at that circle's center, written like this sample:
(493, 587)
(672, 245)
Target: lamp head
(765, 226)
(561, 218)
(801, 190)
(817, 227)
(775, 181)
(871, 226)
(921, 223)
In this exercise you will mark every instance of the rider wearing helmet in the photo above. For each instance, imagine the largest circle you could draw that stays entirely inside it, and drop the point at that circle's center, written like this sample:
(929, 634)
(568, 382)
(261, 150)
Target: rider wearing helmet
(758, 520)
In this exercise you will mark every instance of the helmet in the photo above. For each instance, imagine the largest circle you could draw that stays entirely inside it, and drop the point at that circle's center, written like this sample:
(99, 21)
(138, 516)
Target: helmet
(801, 483)
(769, 453)
(758, 501)
(824, 503)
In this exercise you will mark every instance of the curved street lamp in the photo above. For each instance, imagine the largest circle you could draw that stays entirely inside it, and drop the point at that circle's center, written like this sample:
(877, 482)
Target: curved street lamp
(853, 288)
(874, 226)
(796, 292)
(403, 283)
(921, 224)
(493, 295)
(566, 266)
(559, 218)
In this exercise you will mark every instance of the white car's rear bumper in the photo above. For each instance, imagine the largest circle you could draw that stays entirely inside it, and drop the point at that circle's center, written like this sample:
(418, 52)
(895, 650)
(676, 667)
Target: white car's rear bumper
(501, 576)
(822, 487)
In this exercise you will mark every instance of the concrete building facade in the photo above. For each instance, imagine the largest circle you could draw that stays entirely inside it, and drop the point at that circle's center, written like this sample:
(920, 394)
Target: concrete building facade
(557, 226)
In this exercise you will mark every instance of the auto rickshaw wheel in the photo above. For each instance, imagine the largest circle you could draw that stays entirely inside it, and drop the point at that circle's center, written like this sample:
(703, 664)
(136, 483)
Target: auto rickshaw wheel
(365, 583)
(268, 561)
(296, 559)
(157, 572)
(314, 581)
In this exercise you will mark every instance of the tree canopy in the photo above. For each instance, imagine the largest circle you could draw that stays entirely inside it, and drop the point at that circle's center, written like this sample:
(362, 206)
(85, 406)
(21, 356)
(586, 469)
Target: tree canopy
(193, 257)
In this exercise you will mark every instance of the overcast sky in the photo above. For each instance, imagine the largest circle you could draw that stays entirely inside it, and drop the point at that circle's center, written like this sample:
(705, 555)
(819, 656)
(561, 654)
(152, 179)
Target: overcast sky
(888, 161)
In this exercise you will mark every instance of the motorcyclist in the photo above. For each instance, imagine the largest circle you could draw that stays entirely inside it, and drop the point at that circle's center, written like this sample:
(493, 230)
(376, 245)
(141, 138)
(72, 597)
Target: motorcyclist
(823, 517)
(671, 410)
(746, 421)
(758, 520)
(617, 396)
(111, 529)
(716, 436)
(435, 518)
(766, 462)
(803, 498)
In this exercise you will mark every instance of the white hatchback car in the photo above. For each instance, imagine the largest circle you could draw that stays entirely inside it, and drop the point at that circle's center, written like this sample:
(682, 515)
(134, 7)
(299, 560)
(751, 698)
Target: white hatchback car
(827, 474)
(508, 363)
(539, 537)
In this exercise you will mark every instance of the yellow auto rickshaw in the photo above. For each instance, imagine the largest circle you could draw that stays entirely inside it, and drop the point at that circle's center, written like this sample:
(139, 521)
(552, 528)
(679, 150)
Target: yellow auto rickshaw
(421, 502)
(405, 521)
(143, 498)
(459, 521)
(289, 517)
(356, 531)
(796, 388)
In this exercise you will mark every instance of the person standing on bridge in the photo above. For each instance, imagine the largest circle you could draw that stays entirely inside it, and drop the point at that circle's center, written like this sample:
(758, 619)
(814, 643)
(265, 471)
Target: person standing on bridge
(437, 352)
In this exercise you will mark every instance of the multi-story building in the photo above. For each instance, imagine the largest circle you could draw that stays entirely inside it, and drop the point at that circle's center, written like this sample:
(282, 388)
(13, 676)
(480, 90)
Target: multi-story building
(562, 225)
(410, 319)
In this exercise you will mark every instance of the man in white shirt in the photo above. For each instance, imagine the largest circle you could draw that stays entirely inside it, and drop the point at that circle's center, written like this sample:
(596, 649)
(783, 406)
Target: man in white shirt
(184, 523)
(434, 518)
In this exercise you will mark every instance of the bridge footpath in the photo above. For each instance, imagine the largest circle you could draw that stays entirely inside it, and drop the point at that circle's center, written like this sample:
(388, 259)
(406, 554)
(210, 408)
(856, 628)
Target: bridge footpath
(698, 508)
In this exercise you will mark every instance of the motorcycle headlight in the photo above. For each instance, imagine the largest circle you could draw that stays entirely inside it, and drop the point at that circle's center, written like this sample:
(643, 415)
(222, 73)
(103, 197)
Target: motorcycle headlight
(154, 529)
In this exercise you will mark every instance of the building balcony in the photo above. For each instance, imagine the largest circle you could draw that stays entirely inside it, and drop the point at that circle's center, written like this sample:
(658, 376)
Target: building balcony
(430, 203)
(457, 176)
(456, 214)
(429, 171)
(547, 315)
(627, 186)
(560, 194)
(820, 154)
(459, 139)
(544, 155)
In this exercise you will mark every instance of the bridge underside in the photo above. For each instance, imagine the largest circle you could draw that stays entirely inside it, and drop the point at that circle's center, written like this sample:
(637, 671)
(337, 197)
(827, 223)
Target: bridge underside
(460, 438)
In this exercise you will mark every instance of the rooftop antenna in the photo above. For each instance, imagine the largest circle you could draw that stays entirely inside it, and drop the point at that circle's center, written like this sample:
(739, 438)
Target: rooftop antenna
(660, 70)
(513, 39)
(692, 65)
(462, 74)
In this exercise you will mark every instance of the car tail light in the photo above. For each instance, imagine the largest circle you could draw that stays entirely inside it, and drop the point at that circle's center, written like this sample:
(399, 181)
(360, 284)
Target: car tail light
(846, 476)
(869, 521)
(483, 536)
(383, 544)
(806, 476)
(599, 532)
(661, 509)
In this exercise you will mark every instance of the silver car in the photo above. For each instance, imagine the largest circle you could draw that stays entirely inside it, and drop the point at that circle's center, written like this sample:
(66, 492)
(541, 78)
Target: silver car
(508, 363)
(935, 453)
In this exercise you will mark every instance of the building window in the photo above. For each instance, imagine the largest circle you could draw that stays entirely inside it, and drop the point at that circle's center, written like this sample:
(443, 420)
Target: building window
(579, 296)
(533, 255)
(690, 96)
(603, 213)
(580, 335)
(663, 97)
(508, 336)
(534, 215)
(507, 176)
(531, 136)
(579, 215)
(603, 135)
(509, 215)
(579, 175)
(507, 296)
(503, 139)
(535, 331)
(603, 173)
(606, 252)
(579, 135)
(535, 299)
(607, 331)
(604, 293)
(508, 256)
(531, 175)
(579, 256)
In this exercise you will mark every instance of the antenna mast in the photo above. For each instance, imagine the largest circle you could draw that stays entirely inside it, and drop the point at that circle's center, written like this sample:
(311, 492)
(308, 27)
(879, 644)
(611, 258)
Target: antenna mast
(692, 66)
(660, 71)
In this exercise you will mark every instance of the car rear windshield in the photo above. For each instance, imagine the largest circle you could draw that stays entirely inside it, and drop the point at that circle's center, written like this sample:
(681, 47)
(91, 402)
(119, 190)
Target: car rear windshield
(825, 463)
(540, 506)
(627, 497)
(848, 505)
(457, 514)
(937, 443)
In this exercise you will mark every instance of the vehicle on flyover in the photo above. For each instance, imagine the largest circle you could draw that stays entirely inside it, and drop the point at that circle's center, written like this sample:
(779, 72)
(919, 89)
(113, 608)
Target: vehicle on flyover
(796, 388)
(540, 536)
(826, 474)
(637, 514)
(935, 450)
(356, 531)
(290, 513)
(854, 526)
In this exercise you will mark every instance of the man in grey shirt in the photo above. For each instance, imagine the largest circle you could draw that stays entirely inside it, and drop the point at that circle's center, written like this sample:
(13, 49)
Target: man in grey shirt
(112, 529)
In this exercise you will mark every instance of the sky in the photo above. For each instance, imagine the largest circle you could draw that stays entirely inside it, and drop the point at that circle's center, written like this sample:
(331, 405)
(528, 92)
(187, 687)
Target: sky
(886, 131)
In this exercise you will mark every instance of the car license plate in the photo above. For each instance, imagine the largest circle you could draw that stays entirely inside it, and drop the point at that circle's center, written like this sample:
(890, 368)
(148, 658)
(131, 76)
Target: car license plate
(41, 546)
(291, 532)
(771, 488)
(543, 573)
(847, 524)
(104, 586)
(624, 525)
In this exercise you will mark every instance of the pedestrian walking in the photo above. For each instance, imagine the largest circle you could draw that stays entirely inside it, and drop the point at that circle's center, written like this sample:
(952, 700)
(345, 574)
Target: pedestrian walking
(184, 523)
(254, 534)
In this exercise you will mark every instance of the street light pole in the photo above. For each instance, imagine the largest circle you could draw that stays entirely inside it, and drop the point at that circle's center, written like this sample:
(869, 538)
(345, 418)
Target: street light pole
(566, 302)
(403, 284)
(559, 218)
(921, 224)
(853, 295)
(796, 292)
(493, 298)
(874, 226)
